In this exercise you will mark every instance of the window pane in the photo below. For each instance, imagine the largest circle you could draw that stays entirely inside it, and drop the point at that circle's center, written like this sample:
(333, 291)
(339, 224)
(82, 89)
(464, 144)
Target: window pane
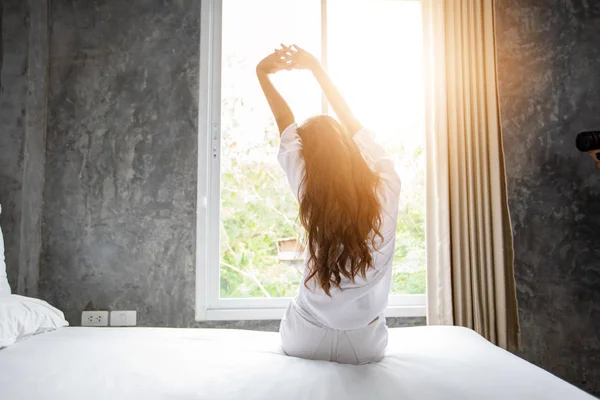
(258, 212)
(375, 58)
(377, 64)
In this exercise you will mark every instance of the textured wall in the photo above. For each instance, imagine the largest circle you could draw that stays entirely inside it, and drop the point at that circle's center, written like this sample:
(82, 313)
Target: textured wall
(23, 94)
(34, 149)
(549, 73)
(120, 193)
(13, 102)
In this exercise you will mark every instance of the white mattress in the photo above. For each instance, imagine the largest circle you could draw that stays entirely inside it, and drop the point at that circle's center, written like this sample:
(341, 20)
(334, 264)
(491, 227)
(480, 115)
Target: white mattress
(156, 363)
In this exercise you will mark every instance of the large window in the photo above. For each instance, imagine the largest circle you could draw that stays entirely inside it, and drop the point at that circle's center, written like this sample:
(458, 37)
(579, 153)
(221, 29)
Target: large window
(249, 238)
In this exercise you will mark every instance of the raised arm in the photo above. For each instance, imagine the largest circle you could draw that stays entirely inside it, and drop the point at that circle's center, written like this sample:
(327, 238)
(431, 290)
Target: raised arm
(297, 58)
(281, 111)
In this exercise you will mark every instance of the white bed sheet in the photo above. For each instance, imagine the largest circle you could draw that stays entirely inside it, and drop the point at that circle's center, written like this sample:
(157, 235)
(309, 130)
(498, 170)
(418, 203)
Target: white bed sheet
(158, 363)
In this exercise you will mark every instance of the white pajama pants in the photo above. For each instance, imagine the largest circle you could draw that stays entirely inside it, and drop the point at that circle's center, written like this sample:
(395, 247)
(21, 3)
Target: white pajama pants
(304, 337)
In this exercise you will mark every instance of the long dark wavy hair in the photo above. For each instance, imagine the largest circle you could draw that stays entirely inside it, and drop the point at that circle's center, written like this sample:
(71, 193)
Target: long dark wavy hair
(339, 206)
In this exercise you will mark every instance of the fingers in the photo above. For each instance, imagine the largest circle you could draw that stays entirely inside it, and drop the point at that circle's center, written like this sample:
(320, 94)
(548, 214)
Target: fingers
(286, 57)
(293, 48)
(288, 53)
(281, 55)
(284, 49)
(289, 49)
(284, 64)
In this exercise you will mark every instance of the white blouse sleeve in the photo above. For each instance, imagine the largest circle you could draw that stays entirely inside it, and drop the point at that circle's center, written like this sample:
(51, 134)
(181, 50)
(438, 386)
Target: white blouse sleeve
(377, 158)
(291, 159)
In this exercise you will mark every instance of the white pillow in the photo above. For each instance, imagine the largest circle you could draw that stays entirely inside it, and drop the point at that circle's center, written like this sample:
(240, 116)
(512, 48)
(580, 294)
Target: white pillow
(22, 317)
(4, 286)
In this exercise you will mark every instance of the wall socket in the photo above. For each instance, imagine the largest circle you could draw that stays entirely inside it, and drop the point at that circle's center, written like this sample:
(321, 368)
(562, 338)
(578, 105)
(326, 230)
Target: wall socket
(123, 318)
(94, 318)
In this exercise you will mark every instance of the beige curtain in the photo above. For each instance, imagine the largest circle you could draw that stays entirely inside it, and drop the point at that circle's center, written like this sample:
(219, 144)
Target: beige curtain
(470, 278)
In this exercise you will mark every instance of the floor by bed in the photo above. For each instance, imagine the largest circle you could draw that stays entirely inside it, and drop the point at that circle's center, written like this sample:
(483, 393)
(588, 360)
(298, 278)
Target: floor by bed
(157, 363)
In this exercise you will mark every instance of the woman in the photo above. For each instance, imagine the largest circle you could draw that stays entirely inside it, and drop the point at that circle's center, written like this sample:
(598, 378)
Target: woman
(348, 192)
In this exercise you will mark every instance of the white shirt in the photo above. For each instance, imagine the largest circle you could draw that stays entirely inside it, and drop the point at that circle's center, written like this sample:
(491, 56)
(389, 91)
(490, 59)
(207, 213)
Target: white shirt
(354, 304)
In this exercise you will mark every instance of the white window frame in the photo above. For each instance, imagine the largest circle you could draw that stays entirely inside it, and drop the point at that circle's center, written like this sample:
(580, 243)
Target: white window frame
(208, 304)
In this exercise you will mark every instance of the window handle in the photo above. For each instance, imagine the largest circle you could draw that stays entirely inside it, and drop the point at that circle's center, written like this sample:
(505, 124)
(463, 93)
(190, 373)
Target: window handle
(215, 140)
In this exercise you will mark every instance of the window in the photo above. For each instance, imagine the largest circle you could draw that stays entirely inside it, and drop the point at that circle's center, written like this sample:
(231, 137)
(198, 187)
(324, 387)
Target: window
(248, 263)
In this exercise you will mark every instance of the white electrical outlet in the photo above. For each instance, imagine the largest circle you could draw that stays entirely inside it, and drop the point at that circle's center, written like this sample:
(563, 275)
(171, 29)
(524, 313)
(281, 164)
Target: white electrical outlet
(123, 318)
(94, 318)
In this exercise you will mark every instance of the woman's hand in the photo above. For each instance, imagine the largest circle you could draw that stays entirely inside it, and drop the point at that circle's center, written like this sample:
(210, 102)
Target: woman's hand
(298, 58)
(273, 62)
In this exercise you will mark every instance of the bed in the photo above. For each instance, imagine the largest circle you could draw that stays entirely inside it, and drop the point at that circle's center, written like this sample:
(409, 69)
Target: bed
(162, 363)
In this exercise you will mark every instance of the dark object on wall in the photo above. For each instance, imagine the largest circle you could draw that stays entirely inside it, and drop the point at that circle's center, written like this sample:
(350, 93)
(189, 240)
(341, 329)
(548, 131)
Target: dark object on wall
(588, 141)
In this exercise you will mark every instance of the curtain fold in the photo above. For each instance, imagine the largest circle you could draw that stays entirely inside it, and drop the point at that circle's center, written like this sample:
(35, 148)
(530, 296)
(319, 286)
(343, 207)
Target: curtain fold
(470, 275)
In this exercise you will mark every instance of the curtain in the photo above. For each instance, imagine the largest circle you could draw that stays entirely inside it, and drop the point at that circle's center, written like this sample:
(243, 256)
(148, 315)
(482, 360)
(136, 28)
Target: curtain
(470, 275)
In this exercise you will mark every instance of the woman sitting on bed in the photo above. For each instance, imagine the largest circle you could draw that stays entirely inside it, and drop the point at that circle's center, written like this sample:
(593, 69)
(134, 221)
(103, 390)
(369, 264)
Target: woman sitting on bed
(348, 193)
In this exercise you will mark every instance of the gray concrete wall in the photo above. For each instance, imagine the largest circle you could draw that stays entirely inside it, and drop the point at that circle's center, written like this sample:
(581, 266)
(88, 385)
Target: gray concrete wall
(23, 94)
(14, 31)
(549, 73)
(120, 193)
(34, 149)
